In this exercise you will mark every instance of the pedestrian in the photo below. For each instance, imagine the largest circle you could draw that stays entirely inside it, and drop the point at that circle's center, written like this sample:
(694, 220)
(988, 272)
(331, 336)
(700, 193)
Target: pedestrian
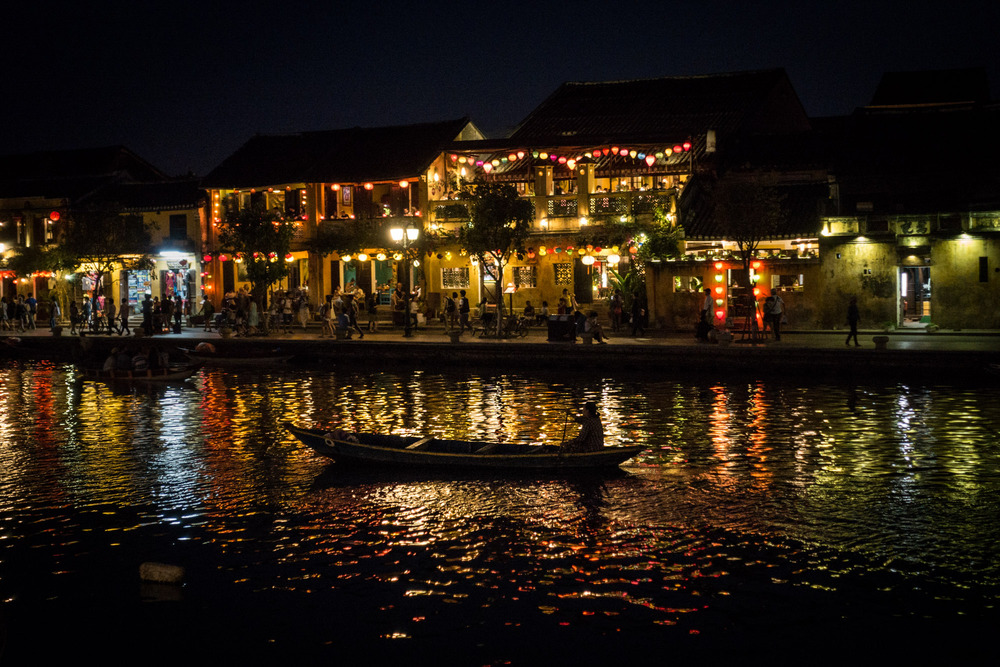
(123, 314)
(74, 317)
(326, 314)
(705, 317)
(571, 304)
(55, 315)
(5, 314)
(85, 314)
(638, 314)
(208, 312)
(147, 314)
(852, 319)
(111, 313)
(451, 309)
(616, 306)
(352, 309)
(178, 312)
(463, 312)
(32, 305)
(21, 314)
(371, 307)
(775, 311)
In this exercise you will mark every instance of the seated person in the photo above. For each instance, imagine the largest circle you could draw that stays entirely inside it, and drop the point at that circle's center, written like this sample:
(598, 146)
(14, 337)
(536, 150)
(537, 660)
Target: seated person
(591, 437)
(581, 322)
(529, 311)
(591, 326)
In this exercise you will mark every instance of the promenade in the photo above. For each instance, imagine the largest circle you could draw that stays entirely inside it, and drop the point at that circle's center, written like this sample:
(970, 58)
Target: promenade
(910, 354)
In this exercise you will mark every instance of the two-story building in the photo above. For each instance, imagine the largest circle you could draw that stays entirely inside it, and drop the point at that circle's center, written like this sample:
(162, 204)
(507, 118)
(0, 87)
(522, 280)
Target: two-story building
(914, 224)
(359, 179)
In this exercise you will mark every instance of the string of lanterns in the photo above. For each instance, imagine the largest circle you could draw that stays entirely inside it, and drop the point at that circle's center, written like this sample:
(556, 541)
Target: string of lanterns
(650, 157)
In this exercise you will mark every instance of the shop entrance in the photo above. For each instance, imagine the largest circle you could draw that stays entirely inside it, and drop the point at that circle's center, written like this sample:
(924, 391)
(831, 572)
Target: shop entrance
(914, 294)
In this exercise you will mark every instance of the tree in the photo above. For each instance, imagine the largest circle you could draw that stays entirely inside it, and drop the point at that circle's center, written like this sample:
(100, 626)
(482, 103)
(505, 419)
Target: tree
(747, 211)
(102, 239)
(499, 224)
(262, 238)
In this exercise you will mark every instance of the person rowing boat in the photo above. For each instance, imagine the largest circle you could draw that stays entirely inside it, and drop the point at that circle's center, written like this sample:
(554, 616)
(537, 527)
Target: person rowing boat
(591, 437)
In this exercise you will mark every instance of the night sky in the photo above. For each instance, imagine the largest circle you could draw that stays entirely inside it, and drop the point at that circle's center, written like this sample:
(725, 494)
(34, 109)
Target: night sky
(185, 84)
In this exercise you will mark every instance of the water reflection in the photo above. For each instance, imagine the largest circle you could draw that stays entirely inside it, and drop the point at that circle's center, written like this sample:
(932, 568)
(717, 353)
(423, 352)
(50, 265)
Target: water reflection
(795, 494)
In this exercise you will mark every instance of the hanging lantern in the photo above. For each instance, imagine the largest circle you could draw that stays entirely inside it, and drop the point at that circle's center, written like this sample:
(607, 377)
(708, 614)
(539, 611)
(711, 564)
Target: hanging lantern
(362, 257)
(487, 167)
(614, 259)
(542, 252)
(650, 160)
(369, 186)
(54, 215)
(335, 187)
(588, 260)
(582, 251)
(397, 256)
(597, 249)
(206, 258)
(223, 258)
(238, 258)
(633, 250)
(416, 262)
(289, 258)
(380, 257)
(345, 258)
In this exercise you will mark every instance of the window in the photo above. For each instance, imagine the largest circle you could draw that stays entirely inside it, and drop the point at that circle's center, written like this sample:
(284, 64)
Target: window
(564, 274)
(787, 281)
(525, 276)
(457, 278)
(688, 284)
(178, 227)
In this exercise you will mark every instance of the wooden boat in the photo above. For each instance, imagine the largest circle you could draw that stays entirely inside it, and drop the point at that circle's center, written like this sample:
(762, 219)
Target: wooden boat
(414, 451)
(169, 374)
(253, 359)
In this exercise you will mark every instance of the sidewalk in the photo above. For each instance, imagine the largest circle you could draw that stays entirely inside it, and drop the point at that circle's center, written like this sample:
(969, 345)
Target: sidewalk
(911, 339)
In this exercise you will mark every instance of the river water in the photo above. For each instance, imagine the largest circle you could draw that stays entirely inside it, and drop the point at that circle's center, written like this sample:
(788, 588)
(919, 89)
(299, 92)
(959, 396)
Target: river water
(763, 516)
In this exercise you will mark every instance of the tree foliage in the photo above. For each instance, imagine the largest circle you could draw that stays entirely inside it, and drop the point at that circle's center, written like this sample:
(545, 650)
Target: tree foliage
(102, 239)
(262, 238)
(748, 210)
(499, 224)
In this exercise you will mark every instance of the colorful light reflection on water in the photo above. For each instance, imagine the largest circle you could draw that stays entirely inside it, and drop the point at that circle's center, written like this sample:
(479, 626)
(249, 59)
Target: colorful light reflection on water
(759, 509)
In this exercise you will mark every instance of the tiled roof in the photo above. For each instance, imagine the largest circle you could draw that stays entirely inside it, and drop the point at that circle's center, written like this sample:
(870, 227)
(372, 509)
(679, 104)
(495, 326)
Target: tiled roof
(165, 196)
(71, 174)
(668, 109)
(919, 160)
(803, 205)
(953, 86)
(353, 155)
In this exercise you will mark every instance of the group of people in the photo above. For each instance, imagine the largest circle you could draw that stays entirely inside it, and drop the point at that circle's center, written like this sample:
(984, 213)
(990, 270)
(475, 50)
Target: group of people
(158, 314)
(18, 314)
(128, 358)
(340, 312)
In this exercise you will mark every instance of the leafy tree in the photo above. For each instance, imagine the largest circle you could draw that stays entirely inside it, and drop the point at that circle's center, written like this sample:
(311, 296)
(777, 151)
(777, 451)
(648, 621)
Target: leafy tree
(499, 223)
(102, 239)
(262, 238)
(747, 211)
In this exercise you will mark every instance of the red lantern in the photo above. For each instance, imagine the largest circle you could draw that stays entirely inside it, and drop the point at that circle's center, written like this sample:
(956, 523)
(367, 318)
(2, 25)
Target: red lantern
(54, 215)
(206, 258)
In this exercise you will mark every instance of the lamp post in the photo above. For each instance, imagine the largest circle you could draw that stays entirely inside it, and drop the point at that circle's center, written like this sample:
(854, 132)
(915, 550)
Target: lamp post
(405, 236)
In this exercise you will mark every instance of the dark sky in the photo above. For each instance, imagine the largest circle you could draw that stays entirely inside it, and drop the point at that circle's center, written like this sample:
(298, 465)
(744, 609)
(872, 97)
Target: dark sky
(185, 84)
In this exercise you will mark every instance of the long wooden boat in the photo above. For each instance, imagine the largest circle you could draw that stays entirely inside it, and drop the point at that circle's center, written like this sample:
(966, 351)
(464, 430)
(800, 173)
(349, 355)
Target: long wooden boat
(413, 451)
(216, 359)
(170, 374)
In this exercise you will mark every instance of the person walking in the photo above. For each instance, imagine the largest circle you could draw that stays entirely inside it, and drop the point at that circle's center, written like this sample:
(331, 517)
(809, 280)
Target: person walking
(32, 305)
(775, 311)
(111, 313)
(852, 319)
(123, 314)
(147, 314)
(55, 315)
(463, 312)
(638, 314)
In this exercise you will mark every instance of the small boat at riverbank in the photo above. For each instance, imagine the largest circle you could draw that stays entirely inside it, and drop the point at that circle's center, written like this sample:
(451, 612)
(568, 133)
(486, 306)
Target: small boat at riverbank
(213, 358)
(374, 449)
(169, 374)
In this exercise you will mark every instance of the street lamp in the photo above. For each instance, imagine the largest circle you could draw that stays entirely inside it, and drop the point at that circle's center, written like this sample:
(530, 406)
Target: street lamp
(405, 236)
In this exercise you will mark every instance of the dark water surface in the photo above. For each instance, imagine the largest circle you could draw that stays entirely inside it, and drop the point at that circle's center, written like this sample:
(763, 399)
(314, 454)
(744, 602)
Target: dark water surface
(764, 517)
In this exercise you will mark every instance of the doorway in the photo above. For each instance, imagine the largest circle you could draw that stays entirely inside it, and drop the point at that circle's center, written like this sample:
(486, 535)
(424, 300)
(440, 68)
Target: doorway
(914, 294)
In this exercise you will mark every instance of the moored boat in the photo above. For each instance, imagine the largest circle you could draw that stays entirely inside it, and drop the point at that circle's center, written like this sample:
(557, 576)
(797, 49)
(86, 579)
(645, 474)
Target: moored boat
(169, 374)
(213, 358)
(414, 451)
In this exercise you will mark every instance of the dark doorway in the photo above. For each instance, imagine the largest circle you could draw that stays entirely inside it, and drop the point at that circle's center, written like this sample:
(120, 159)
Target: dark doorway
(915, 293)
